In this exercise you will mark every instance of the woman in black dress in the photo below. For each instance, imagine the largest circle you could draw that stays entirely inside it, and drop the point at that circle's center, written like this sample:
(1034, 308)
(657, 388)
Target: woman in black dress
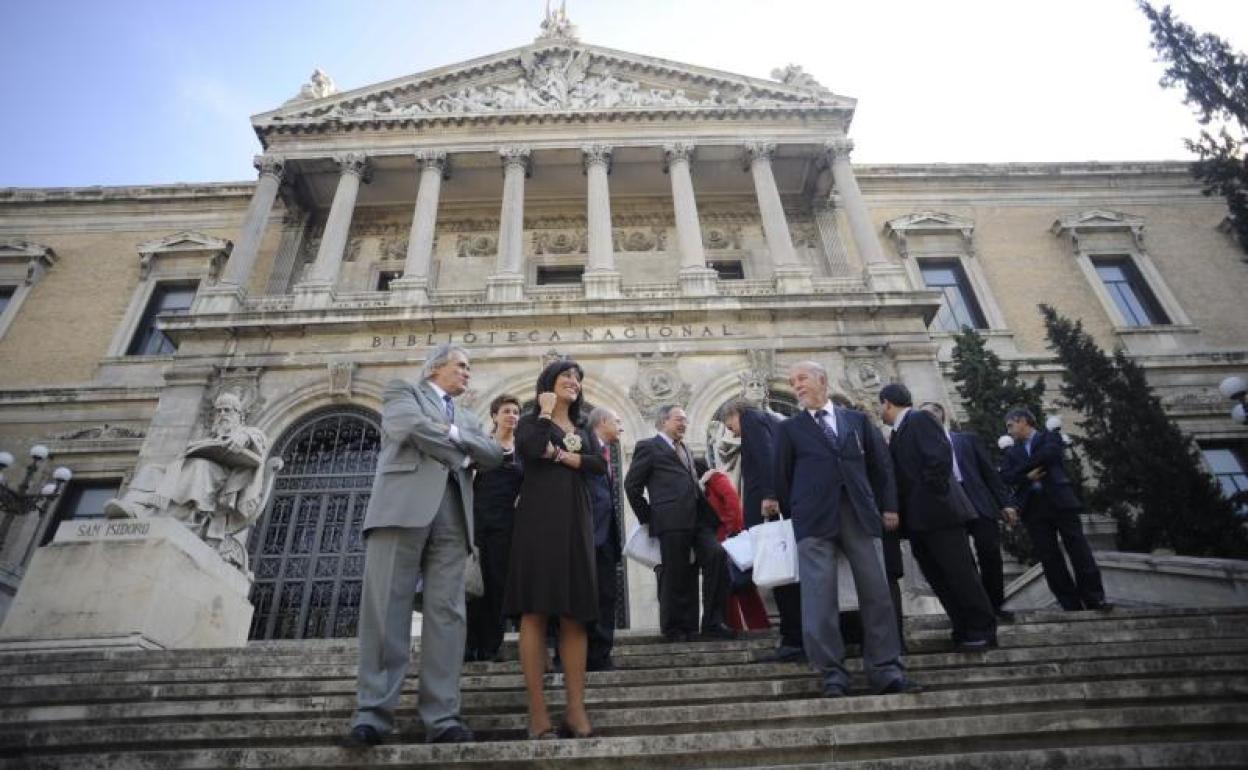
(552, 554)
(493, 517)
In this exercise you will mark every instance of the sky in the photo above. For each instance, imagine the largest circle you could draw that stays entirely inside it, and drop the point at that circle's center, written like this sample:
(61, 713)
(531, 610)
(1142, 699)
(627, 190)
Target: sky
(161, 91)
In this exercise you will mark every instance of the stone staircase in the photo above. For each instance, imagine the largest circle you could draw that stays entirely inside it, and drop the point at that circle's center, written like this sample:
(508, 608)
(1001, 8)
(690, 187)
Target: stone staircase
(1131, 688)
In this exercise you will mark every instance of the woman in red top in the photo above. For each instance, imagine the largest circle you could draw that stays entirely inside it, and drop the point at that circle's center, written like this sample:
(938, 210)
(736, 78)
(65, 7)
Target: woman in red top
(744, 608)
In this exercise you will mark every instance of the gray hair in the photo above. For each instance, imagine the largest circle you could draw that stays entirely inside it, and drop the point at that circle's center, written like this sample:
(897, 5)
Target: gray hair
(599, 415)
(664, 412)
(438, 357)
(813, 366)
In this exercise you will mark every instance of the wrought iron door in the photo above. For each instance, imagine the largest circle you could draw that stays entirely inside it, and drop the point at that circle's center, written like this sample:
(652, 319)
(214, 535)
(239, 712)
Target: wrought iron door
(307, 550)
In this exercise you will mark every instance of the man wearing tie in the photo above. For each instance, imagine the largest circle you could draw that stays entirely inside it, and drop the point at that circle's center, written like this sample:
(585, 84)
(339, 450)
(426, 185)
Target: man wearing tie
(1033, 466)
(604, 431)
(833, 475)
(419, 524)
(662, 488)
(992, 502)
(934, 512)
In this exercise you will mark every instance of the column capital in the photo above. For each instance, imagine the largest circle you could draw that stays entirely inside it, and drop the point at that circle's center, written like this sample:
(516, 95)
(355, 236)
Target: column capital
(434, 159)
(354, 163)
(839, 148)
(675, 152)
(517, 156)
(270, 165)
(597, 154)
(758, 151)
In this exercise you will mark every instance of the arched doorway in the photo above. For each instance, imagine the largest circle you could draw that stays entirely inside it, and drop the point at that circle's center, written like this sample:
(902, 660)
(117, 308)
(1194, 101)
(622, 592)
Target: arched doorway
(307, 549)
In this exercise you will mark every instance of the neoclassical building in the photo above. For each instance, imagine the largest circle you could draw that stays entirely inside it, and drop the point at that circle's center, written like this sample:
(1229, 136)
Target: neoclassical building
(684, 233)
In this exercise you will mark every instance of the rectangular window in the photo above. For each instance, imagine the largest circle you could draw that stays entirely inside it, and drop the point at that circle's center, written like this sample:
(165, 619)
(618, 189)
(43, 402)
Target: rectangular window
(82, 500)
(385, 277)
(958, 307)
(729, 270)
(1129, 291)
(559, 275)
(166, 298)
(6, 296)
(1229, 470)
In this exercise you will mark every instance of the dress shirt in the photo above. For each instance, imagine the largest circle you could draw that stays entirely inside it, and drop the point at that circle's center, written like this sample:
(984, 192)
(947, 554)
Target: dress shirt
(957, 470)
(829, 419)
(453, 433)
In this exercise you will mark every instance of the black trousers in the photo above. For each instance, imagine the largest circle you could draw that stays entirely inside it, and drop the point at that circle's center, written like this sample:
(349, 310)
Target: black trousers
(678, 586)
(986, 535)
(602, 632)
(1045, 524)
(485, 613)
(944, 556)
(789, 603)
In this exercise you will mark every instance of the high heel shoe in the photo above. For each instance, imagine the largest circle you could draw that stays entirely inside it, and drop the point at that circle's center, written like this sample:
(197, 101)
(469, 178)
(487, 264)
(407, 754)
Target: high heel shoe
(549, 734)
(566, 731)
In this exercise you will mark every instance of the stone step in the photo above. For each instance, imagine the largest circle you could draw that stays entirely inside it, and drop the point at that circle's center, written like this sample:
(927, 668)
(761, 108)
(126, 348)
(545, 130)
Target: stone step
(1224, 754)
(737, 748)
(216, 704)
(661, 719)
(508, 675)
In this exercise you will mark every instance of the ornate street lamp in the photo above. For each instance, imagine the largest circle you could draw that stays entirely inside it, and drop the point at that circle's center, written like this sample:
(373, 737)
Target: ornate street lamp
(20, 500)
(1236, 389)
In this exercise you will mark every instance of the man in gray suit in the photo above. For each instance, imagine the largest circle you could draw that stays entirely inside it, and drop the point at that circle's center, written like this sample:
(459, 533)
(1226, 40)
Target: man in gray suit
(419, 524)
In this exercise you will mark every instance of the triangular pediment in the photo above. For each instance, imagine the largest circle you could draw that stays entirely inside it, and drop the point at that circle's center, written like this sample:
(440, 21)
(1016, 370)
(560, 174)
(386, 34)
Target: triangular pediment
(13, 248)
(931, 221)
(550, 77)
(187, 240)
(1098, 219)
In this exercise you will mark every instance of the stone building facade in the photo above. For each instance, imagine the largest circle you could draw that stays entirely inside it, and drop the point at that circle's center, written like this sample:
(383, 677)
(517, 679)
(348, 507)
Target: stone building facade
(682, 232)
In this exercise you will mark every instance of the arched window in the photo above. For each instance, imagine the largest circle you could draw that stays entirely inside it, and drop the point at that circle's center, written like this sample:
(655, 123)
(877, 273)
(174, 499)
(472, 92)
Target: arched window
(307, 549)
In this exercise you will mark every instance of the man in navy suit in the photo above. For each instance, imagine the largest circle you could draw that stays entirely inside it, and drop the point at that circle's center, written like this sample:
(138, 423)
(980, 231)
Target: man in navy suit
(756, 430)
(1046, 495)
(992, 502)
(662, 488)
(934, 512)
(833, 476)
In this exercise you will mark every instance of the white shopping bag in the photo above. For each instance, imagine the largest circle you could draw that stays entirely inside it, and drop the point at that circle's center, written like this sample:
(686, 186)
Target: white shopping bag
(642, 548)
(775, 553)
(740, 548)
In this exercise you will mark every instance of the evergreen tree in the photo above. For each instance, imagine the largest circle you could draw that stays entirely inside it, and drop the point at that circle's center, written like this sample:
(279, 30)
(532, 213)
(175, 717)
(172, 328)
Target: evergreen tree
(1149, 474)
(1215, 78)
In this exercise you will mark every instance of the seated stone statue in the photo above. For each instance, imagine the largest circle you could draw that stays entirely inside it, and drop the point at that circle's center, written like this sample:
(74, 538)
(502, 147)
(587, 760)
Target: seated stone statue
(217, 487)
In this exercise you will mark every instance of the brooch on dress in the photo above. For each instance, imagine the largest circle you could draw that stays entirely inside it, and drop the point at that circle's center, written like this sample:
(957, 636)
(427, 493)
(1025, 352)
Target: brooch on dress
(572, 442)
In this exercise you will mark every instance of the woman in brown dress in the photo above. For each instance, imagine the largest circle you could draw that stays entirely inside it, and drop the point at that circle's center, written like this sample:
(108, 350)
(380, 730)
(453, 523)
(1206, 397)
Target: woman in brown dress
(552, 570)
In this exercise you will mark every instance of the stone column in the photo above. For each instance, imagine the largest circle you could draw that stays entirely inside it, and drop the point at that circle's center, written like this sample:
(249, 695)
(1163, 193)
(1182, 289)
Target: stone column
(413, 287)
(507, 283)
(696, 279)
(882, 275)
(227, 295)
(830, 237)
(601, 279)
(317, 289)
(791, 275)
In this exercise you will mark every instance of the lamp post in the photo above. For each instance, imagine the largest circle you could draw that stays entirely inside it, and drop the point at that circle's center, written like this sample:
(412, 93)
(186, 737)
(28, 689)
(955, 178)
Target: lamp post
(19, 500)
(1236, 389)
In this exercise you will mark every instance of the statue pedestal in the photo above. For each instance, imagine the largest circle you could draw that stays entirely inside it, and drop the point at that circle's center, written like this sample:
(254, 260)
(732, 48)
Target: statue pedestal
(148, 580)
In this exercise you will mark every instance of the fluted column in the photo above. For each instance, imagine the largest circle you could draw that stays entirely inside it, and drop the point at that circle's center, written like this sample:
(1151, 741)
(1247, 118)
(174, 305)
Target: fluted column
(317, 289)
(601, 279)
(228, 293)
(413, 286)
(507, 283)
(695, 277)
(882, 275)
(791, 276)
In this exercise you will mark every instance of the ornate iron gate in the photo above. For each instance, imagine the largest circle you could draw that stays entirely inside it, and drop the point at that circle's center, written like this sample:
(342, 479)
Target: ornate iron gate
(307, 550)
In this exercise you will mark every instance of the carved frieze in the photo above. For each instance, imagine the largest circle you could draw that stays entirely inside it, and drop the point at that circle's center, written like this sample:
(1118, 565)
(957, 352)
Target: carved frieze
(561, 242)
(725, 237)
(100, 433)
(242, 381)
(658, 383)
(756, 379)
(476, 245)
(639, 239)
(341, 378)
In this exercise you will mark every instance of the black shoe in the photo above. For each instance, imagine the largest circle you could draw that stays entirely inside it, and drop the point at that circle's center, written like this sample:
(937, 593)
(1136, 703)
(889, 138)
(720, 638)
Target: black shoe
(677, 637)
(453, 734)
(1004, 616)
(834, 691)
(900, 686)
(974, 645)
(471, 656)
(1101, 606)
(600, 665)
(718, 631)
(785, 654)
(362, 736)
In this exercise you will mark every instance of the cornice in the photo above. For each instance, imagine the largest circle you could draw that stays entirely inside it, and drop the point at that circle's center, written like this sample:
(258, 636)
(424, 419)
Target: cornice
(125, 193)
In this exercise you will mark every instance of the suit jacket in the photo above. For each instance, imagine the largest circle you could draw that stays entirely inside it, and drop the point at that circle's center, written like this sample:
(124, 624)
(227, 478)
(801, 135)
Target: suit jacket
(757, 462)
(811, 472)
(980, 479)
(417, 457)
(663, 492)
(602, 492)
(1046, 452)
(923, 462)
